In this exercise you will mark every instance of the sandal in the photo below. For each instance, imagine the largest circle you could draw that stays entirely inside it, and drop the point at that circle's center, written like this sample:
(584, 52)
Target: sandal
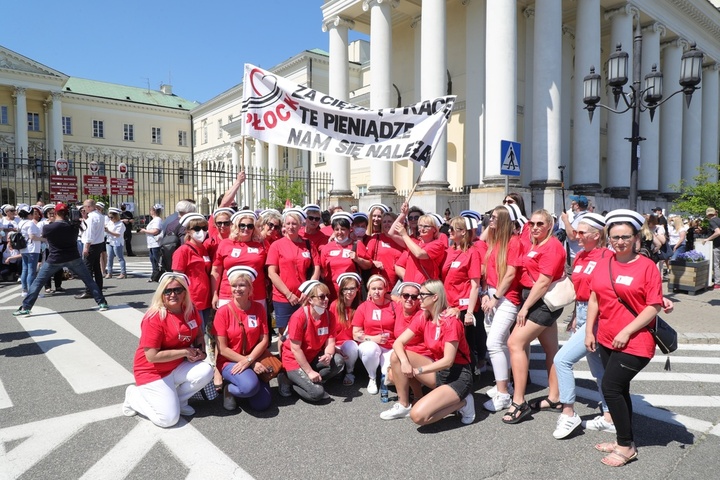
(617, 459)
(607, 447)
(349, 379)
(517, 415)
(553, 406)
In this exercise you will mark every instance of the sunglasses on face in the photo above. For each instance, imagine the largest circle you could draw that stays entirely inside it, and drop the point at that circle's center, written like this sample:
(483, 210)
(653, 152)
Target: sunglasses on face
(223, 224)
(624, 238)
(322, 297)
(272, 226)
(424, 295)
(508, 201)
(173, 291)
(249, 226)
(198, 228)
(408, 296)
(413, 218)
(314, 219)
(536, 224)
(580, 233)
(453, 229)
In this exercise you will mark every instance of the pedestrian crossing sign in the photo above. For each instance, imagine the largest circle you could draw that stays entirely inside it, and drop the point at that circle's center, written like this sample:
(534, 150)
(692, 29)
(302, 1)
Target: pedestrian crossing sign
(509, 158)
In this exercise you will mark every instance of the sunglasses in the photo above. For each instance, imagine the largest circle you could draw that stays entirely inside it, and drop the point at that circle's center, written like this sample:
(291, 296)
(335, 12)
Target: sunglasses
(413, 218)
(425, 294)
(271, 226)
(508, 202)
(624, 238)
(173, 291)
(322, 297)
(314, 219)
(249, 226)
(536, 224)
(197, 229)
(223, 224)
(408, 296)
(580, 233)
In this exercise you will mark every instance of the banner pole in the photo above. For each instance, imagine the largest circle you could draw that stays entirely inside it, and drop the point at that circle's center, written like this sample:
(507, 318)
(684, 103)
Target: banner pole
(422, 170)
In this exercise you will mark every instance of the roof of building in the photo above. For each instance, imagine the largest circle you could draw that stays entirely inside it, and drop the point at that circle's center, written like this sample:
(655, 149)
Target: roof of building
(123, 93)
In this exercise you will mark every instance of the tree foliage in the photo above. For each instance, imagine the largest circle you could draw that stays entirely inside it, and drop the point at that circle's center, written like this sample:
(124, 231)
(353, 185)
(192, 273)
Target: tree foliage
(704, 192)
(281, 190)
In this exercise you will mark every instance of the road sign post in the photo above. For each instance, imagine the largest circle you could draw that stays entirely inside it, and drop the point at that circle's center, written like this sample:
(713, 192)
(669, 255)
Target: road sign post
(509, 161)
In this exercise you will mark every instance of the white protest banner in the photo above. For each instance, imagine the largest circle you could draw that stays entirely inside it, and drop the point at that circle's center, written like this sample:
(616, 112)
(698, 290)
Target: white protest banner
(278, 111)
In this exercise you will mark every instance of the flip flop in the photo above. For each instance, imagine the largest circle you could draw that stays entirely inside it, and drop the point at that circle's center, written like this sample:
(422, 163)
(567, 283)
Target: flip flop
(553, 406)
(623, 459)
(517, 415)
(607, 447)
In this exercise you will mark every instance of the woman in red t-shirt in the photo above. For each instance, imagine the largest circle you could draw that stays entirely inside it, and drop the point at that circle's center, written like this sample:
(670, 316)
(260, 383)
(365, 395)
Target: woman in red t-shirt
(407, 308)
(625, 298)
(384, 252)
(542, 264)
(342, 254)
(168, 362)
(374, 330)
(344, 309)
(218, 229)
(426, 256)
(447, 372)
(241, 332)
(192, 259)
(308, 354)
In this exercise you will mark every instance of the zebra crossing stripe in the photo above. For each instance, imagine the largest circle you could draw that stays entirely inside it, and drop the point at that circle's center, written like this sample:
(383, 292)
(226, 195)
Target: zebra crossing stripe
(85, 366)
(655, 359)
(125, 317)
(5, 401)
(11, 293)
(662, 377)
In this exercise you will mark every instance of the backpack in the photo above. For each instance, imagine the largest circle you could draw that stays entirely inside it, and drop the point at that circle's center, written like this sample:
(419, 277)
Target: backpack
(168, 244)
(17, 240)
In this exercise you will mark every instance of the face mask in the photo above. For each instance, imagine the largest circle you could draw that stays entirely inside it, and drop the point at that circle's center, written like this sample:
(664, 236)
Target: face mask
(343, 241)
(359, 231)
(319, 309)
(199, 236)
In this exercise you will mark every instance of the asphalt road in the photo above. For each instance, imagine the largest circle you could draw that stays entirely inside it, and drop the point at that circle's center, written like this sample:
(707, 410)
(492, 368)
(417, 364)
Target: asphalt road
(64, 370)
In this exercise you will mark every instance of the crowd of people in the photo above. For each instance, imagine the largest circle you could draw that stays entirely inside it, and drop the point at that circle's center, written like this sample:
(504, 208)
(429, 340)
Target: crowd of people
(419, 310)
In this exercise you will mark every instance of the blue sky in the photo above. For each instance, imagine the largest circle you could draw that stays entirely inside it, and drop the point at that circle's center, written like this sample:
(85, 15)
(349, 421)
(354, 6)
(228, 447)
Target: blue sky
(199, 47)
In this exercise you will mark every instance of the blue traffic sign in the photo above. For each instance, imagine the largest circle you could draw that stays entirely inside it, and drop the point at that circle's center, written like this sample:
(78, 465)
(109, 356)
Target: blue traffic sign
(509, 158)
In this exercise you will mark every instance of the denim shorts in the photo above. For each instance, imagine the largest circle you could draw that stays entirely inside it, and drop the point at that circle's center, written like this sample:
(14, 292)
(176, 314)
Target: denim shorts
(540, 313)
(458, 377)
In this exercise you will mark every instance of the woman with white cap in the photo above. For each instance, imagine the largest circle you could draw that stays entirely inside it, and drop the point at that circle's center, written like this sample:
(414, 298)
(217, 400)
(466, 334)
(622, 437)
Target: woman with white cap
(625, 298)
(384, 252)
(115, 230)
(241, 332)
(376, 213)
(219, 228)
(192, 259)
(344, 309)
(426, 256)
(311, 231)
(342, 254)
(308, 354)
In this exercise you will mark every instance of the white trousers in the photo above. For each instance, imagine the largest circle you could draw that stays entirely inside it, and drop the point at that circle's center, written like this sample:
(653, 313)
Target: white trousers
(502, 319)
(350, 351)
(370, 354)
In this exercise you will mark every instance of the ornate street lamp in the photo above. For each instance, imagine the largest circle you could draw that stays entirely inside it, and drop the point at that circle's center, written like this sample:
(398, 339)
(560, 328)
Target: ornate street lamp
(637, 100)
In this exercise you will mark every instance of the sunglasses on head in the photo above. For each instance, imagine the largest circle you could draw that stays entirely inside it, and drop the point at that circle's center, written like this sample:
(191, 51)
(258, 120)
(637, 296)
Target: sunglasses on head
(198, 228)
(223, 224)
(249, 226)
(173, 291)
(408, 296)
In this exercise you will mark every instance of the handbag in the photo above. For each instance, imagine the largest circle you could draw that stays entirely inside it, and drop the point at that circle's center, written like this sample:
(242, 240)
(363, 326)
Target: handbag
(272, 364)
(560, 293)
(208, 392)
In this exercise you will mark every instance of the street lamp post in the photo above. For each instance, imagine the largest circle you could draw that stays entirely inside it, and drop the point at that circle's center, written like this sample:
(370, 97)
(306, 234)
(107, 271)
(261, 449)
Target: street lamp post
(636, 99)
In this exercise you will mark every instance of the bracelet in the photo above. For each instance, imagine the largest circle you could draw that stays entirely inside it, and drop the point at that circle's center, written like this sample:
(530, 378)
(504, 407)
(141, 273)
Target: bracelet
(496, 297)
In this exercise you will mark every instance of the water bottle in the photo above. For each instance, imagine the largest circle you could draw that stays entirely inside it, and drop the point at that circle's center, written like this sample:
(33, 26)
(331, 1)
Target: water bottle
(383, 390)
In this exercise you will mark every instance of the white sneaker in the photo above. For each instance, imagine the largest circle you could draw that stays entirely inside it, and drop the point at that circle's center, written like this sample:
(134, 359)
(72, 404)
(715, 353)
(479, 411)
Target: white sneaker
(372, 387)
(494, 391)
(498, 403)
(599, 423)
(127, 410)
(566, 425)
(187, 410)
(229, 401)
(468, 411)
(396, 411)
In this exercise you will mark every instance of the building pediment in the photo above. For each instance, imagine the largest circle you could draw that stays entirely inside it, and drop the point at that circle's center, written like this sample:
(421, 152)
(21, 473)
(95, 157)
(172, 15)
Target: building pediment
(15, 62)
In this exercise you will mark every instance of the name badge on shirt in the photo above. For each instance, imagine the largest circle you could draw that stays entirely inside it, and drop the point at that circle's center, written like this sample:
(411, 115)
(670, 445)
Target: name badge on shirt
(377, 315)
(252, 321)
(437, 333)
(624, 280)
(346, 253)
(532, 253)
(192, 324)
(306, 254)
(235, 252)
(454, 264)
(577, 269)
(206, 259)
(322, 331)
(464, 302)
(334, 253)
(590, 267)
(384, 245)
(253, 250)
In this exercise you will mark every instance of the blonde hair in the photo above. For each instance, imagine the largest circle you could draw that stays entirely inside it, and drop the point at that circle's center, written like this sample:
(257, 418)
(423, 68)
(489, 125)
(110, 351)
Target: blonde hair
(235, 230)
(467, 240)
(235, 275)
(318, 288)
(548, 221)
(499, 239)
(157, 304)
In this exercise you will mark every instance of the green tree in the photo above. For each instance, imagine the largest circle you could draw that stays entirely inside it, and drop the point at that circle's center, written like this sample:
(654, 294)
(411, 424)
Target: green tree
(695, 198)
(281, 190)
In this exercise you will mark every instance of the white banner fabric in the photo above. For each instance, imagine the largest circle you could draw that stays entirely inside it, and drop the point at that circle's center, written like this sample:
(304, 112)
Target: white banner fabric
(278, 111)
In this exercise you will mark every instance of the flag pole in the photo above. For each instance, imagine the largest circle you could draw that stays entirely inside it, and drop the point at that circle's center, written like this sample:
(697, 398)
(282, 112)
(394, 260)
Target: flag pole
(422, 170)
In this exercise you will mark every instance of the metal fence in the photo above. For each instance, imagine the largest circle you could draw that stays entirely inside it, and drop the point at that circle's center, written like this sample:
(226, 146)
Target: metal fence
(29, 177)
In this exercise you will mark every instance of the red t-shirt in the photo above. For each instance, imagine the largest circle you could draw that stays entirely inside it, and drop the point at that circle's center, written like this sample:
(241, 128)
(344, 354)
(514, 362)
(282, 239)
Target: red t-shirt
(313, 335)
(435, 337)
(375, 320)
(317, 239)
(251, 254)
(583, 269)
(402, 323)
(194, 261)
(343, 333)
(639, 285)
(169, 334)
(417, 270)
(458, 269)
(383, 249)
(327, 230)
(512, 258)
(292, 261)
(547, 259)
(226, 325)
(335, 260)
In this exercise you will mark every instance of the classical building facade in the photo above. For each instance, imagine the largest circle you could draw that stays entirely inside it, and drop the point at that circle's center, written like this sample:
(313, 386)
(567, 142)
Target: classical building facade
(45, 115)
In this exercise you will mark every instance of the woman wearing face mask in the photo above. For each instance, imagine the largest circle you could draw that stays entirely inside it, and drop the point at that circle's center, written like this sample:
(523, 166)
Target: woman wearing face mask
(309, 355)
(342, 254)
(359, 227)
(192, 259)
(384, 252)
(240, 248)
(344, 309)
(374, 330)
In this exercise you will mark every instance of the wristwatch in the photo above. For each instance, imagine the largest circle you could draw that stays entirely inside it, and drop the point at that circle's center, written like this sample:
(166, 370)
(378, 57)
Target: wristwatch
(249, 359)
(419, 369)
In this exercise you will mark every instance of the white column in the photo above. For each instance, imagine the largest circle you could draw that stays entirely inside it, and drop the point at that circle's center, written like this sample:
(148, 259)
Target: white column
(55, 127)
(566, 111)
(527, 153)
(433, 83)
(21, 125)
(648, 171)
(475, 91)
(586, 135)
(620, 126)
(710, 124)
(671, 118)
(501, 83)
(547, 82)
(381, 79)
(273, 159)
(691, 140)
(260, 156)
(339, 87)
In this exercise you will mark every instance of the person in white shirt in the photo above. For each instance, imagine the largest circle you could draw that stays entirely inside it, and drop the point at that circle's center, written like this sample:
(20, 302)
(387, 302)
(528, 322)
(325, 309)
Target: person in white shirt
(115, 230)
(100, 207)
(151, 231)
(29, 216)
(94, 244)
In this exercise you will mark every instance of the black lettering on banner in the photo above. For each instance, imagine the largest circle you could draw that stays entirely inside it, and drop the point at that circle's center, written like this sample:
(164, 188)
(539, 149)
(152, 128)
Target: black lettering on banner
(310, 140)
(298, 91)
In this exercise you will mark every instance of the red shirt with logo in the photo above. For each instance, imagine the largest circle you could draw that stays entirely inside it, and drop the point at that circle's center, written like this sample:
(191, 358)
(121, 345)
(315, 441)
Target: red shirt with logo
(402, 322)
(292, 261)
(449, 329)
(227, 324)
(335, 260)
(417, 270)
(584, 269)
(547, 259)
(194, 261)
(376, 320)
(512, 258)
(251, 254)
(313, 335)
(343, 333)
(384, 249)
(458, 269)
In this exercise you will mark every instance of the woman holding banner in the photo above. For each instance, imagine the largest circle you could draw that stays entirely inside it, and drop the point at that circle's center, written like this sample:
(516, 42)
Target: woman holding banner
(425, 257)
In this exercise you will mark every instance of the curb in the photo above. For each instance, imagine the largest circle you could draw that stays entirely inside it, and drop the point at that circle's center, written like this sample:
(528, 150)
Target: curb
(706, 338)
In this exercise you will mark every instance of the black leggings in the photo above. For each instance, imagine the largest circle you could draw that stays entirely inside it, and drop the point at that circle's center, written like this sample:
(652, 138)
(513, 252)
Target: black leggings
(620, 369)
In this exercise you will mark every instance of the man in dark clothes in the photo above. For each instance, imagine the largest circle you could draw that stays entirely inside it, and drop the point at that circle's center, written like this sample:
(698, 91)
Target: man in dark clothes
(61, 237)
(126, 217)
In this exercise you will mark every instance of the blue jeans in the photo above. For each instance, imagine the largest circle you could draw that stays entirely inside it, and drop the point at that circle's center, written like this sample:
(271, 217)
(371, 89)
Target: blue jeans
(247, 385)
(76, 266)
(155, 262)
(29, 269)
(571, 353)
(113, 252)
(680, 249)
